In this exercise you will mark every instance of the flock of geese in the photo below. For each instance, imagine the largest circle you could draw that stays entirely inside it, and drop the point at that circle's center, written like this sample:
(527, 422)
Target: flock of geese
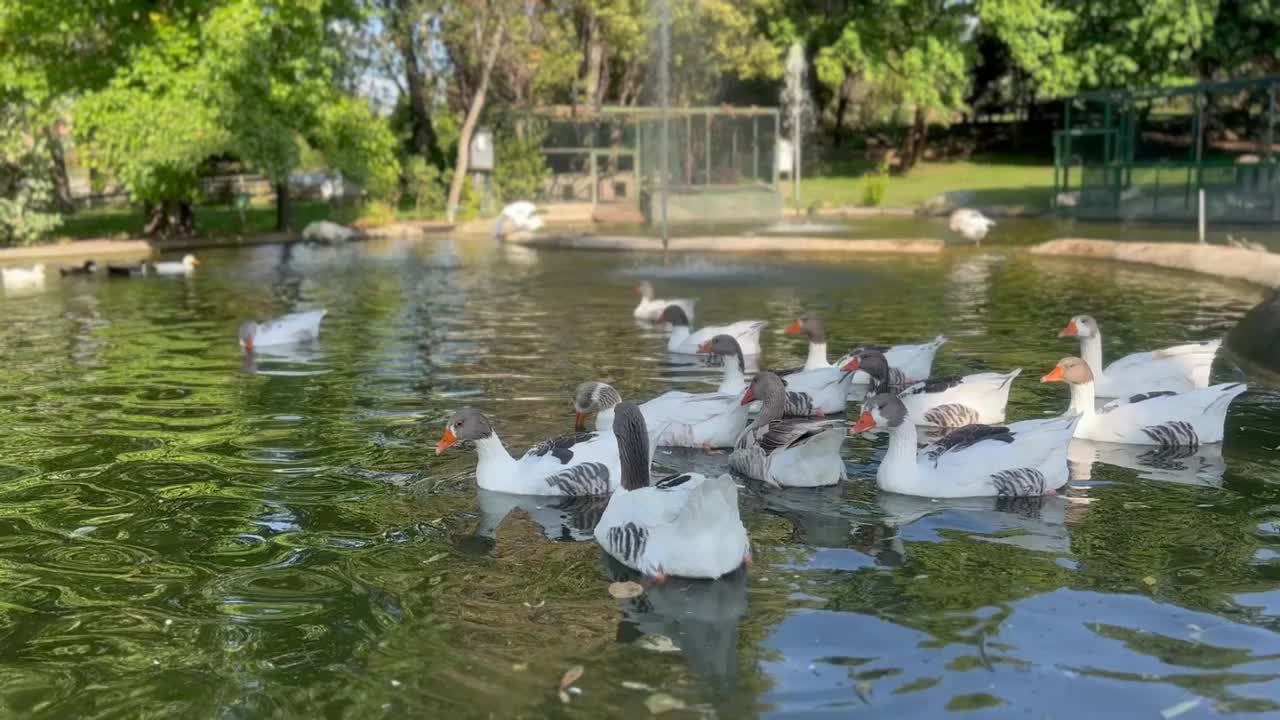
(688, 524)
(33, 278)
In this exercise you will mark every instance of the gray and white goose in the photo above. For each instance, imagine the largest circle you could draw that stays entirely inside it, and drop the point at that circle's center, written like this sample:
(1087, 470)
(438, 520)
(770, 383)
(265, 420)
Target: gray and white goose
(945, 401)
(818, 388)
(678, 418)
(684, 525)
(787, 452)
(578, 464)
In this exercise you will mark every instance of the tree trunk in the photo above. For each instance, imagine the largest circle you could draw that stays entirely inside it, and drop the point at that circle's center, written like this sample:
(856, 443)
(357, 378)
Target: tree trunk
(594, 59)
(422, 133)
(170, 218)
(282, 206)
(913, 149)
(842, 106)
(473, 117)
(61, 183)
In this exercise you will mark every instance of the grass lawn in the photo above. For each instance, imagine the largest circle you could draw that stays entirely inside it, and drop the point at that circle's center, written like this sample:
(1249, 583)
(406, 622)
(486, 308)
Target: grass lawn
(211, 220)
(997, 181)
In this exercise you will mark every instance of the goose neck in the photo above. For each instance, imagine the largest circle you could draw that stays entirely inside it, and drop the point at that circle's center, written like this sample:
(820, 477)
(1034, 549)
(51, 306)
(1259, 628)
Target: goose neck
(494, 462)
(1091, 352)
(897, 472)
(734, 379)
(817, 356)
(1082, 399)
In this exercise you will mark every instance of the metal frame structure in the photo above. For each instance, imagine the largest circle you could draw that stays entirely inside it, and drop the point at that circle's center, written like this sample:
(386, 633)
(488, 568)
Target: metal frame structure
(1104, 180)
(635, 137)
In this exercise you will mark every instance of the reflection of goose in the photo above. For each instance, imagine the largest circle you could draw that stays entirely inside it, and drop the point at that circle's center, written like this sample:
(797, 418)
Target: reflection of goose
(1034, 523)
(970, 223)
(700, 617)
(561, 517)
(1202, 465)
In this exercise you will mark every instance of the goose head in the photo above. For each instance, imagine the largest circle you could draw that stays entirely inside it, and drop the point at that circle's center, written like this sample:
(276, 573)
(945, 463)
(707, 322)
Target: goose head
(1081, 326)
(190, 261)
(592, 396)
(765, 387)
(810, 325)
(724, 346)
(872, 362)
(248, 331)
(645, 290)
(90, 266)
(466, 424)
(884, 410)
(1070, 370)
(674, 315)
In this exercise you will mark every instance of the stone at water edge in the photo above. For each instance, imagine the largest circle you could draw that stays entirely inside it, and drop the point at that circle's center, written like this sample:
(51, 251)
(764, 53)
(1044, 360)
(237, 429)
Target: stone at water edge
(323, 231)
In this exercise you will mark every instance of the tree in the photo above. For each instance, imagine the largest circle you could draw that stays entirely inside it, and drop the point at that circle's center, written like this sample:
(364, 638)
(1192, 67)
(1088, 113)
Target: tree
(27, 198)
(245, 79)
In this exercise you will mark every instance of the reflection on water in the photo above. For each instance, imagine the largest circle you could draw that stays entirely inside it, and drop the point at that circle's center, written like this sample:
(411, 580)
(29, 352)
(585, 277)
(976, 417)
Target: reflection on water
(187, 531)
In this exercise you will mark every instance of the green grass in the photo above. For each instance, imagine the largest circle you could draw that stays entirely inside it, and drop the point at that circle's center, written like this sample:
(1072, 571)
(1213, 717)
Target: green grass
(211, 220)
(997, 181)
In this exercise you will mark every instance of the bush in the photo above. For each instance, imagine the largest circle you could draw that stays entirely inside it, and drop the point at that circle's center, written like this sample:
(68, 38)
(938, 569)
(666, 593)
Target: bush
(425, 185)
(521, 170)
(874, 186)
(27, 211)
(370, 213)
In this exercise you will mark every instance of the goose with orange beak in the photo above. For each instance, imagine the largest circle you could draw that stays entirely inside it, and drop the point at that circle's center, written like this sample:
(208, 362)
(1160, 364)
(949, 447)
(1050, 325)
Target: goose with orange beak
(913, 362)
(787, 452)
(945, 402)
(1169, 420)
(285, 330)
(1173, 369)
(812, 327)
(972, 461)
(677, 418)
(578, 464)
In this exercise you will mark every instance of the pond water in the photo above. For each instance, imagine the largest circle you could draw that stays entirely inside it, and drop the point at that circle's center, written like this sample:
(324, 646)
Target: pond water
(187, 534)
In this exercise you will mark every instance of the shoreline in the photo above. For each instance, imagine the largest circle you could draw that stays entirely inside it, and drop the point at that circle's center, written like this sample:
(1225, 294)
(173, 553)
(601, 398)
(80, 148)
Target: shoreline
(1228, 263)
(771, 244)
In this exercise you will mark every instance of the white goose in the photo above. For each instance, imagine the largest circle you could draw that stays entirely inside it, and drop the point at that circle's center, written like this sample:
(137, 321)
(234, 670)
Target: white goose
(907, 363)
(579, 464)
(1177, 368)
(975, 460)
(522, 215)
(1163, 418)
(818, 388)
(970, 223)
(812, 327)
(284, 330)
(685, 525)
(687, 342)
(650, 308)
(186, 266)
(676, 418)
(787, 452)
(946, 402)
(16, 278)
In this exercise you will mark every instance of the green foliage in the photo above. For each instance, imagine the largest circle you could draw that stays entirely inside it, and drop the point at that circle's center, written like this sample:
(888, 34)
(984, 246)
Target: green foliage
(27, 211)
(360, 145)
(874, 186)
(372, 213)
(425, 185)
(521, 170)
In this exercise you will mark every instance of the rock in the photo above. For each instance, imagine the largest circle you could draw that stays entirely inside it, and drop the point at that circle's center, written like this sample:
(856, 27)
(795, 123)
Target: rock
(1257, 336)
(330, 233)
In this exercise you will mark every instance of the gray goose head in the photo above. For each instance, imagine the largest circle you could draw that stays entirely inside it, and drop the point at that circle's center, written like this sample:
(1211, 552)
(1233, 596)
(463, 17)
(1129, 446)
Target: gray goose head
(809, 325)
(883, 410)
(592, 396)
(466, 424)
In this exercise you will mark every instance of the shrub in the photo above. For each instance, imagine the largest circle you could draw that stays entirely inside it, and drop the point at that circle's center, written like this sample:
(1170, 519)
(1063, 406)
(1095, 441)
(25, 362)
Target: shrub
(874, 186)
(424, 184)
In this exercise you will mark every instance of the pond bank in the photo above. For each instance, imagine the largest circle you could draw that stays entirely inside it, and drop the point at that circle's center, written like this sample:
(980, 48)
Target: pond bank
(733, 244)
(1225, 262)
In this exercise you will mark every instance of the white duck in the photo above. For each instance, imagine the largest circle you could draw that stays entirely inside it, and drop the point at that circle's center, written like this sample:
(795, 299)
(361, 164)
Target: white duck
(1177, 368)
(579, 464)
(946, 402)
(284, 330)
(650, 308)
(787, 452)
(16, 278)
(1163, 418)
(687, 342)
(676, 418)
(970, 223)
(685, 525)
(521, 215)
(972, 461)
(186, 266)
(907, 363)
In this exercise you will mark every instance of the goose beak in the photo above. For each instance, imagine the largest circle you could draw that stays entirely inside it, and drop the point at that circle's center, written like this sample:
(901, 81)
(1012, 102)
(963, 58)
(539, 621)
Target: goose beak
(852, 365)
(1055, 375)
(705, 347)
(865, 422)
(580, 422)
(195, 262)
(793, 328)
(748, 397)
(247, 345)
(446, 441)
(1070, 330)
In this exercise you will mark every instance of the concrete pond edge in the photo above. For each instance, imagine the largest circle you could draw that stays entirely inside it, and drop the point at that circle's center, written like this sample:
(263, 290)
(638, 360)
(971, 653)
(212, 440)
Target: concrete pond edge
(1230, 263)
